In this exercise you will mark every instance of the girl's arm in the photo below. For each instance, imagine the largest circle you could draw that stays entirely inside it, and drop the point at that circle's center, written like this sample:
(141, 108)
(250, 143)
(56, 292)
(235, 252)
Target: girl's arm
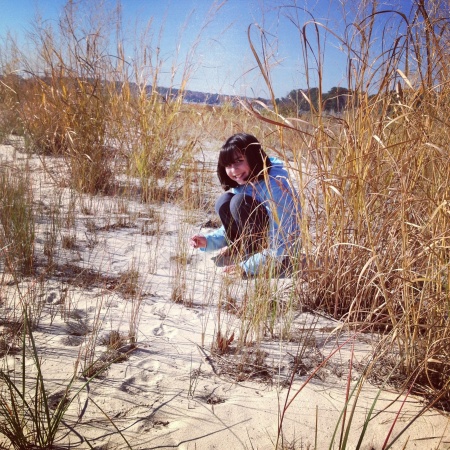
(215, 240)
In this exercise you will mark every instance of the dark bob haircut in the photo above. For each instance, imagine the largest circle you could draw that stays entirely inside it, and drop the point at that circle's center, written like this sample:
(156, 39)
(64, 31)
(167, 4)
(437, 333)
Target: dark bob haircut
(242, 144)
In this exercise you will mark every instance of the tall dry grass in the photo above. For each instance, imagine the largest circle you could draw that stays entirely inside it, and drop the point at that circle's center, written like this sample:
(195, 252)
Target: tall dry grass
(375, 188)
(17, 222)
(80, 96)
(373, 181)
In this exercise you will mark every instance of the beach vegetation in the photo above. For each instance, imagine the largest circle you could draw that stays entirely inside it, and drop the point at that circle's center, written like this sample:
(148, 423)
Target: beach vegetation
(369, 159)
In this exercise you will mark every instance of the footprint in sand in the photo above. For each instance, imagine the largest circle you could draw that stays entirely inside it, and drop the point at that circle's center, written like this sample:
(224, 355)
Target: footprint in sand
(159, 331)
(147, 374)
(163, 330)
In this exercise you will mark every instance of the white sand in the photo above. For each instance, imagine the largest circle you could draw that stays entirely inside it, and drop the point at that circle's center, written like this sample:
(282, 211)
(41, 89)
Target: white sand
(171, 392)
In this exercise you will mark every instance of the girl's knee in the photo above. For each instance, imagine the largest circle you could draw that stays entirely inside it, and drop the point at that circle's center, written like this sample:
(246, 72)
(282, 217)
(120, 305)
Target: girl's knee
(224, 199)
(241, 201)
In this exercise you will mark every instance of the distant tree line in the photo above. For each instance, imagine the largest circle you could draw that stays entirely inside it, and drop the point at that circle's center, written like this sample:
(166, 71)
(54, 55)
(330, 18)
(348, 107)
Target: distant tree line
(296, 101)
(206, 98)
(300, 100)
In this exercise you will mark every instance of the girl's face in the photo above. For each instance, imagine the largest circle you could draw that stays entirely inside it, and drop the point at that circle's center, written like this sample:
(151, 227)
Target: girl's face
(239, 170)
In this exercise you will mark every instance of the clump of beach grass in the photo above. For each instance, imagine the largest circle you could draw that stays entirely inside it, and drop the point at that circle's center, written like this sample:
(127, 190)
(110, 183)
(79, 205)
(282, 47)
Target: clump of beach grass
(17, 222)
(28, 419)
(94, 109)
(374, 188)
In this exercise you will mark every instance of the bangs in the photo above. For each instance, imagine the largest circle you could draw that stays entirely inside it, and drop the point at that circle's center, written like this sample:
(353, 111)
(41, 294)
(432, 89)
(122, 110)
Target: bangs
(228, 156)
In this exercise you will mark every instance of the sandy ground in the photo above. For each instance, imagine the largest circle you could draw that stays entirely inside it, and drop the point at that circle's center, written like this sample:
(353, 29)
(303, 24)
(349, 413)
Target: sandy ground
(172, 391)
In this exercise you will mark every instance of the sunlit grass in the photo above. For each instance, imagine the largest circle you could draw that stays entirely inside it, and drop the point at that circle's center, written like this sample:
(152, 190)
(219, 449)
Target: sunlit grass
(375, 194)
(373, 184)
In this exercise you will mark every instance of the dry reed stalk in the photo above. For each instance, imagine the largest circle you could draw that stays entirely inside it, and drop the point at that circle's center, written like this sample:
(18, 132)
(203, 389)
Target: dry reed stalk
(374, 182)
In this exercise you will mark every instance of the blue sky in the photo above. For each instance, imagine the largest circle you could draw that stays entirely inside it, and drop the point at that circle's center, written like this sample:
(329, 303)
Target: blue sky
(223, 60)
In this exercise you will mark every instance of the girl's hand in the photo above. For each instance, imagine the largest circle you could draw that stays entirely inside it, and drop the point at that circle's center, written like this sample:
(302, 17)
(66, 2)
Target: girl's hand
(198, 241)
(233, 269)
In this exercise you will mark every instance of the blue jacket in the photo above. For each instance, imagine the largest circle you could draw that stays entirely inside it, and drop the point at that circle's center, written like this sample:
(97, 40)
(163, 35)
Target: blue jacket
(282, 203)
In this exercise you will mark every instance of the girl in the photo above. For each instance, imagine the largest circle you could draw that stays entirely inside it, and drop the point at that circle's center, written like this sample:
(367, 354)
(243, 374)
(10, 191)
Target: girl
(259, 210)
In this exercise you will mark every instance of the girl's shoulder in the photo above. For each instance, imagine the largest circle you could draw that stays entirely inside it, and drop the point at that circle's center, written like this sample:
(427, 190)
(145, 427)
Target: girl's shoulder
(279, 180)
(277, 168)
